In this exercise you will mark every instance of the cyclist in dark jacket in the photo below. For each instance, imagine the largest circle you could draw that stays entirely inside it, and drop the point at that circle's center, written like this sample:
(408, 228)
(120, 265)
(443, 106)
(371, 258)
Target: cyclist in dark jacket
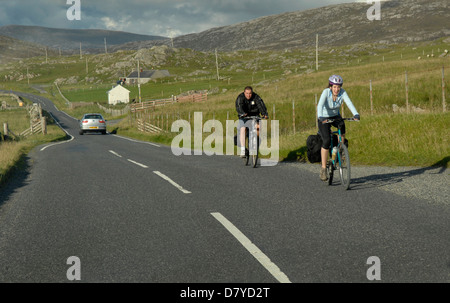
(249, 103)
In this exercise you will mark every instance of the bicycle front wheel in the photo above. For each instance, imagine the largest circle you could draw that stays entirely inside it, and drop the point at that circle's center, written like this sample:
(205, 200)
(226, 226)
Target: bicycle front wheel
(255, 157)
(330, 171)
(344, 165)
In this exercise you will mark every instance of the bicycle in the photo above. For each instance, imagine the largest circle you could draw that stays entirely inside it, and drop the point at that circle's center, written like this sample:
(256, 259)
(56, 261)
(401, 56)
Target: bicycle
(341, 160)
(251, 141)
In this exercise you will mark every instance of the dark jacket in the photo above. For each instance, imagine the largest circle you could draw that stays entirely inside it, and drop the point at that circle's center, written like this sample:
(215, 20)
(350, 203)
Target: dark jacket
(252, 107)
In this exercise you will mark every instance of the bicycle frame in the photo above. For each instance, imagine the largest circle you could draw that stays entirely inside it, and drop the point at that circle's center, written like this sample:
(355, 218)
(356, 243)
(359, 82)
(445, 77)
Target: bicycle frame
(342, 161)
(338, 156)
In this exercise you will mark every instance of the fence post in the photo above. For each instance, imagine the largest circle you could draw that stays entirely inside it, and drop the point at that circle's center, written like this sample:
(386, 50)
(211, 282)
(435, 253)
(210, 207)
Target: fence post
(406, 86)
(44, 125)
(40, 111)
(317, 118)
(5, 129)
(293, 116)
(443, 92)
(274, 118)
(371, 99)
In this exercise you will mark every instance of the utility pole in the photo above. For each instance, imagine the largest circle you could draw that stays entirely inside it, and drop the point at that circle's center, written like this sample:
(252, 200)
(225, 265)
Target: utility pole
(139, 81)
(217, 66)
(81, 56)
(87, 68)
(444, 107)
(170, 35)
(46, 55)
(106, 48)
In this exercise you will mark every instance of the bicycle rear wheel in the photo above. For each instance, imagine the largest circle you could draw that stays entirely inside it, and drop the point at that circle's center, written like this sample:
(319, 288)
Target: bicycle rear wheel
(344, 165)
(247, 157)
(247, 154)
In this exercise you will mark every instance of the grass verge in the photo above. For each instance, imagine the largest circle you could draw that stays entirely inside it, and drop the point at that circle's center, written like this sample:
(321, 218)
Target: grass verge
(12, 153)
(382, 140)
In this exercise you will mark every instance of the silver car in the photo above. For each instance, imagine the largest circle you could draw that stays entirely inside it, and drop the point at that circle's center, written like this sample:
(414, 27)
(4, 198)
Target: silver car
(92, 123)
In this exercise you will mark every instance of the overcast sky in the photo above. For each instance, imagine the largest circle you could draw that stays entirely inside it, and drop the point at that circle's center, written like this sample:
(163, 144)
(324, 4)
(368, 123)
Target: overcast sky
(149, 17)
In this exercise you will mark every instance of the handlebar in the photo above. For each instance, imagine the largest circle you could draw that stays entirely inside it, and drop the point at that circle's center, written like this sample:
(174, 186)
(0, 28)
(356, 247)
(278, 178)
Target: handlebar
(346, 119)
(250, 117)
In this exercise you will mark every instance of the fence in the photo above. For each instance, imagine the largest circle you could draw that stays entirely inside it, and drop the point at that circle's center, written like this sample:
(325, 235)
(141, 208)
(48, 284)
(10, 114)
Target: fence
(38, 123)
(36, 127)
(6, 133)
(115, 112)
(193, 98)
(145, 126)
(61, 94)
(152, 104)
(5, 105)
(407, 92)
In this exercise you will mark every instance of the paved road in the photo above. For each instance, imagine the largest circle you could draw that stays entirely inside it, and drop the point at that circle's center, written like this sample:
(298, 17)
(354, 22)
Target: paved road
(133, 212)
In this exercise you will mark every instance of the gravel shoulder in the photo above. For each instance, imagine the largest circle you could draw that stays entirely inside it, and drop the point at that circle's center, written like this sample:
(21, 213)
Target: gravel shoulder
(428, 183)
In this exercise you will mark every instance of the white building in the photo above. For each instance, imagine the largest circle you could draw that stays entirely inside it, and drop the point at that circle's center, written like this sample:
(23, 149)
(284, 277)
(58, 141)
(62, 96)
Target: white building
(118, 94)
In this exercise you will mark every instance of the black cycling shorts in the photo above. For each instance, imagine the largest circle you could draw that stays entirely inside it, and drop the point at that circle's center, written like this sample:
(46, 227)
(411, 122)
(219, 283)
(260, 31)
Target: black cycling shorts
(325, 130)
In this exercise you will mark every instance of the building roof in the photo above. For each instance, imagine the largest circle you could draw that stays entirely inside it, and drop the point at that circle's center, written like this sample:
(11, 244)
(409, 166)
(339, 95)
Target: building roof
(150, 74)
(116, 88)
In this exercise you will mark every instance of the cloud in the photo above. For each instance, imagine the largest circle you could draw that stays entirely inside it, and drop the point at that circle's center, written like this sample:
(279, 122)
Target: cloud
(120, 25)
(151, 17)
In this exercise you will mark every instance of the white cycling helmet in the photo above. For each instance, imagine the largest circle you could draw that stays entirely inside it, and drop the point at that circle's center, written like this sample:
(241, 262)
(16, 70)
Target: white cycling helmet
(336, 80)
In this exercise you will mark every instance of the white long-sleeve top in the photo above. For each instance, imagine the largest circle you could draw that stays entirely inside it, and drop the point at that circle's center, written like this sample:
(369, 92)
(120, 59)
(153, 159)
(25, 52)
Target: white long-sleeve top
(329, 108)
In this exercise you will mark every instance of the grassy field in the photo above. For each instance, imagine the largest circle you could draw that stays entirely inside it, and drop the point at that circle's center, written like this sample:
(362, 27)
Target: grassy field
(288, 83)
(12, 153)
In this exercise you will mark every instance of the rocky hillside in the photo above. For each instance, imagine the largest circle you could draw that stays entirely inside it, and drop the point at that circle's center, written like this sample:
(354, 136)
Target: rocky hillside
(70, 39)
(12, 49)
(343, 24)
(337, 25)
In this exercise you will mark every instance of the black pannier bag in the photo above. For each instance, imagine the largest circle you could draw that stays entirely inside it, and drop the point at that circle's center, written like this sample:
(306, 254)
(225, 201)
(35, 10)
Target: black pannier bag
(314, 146)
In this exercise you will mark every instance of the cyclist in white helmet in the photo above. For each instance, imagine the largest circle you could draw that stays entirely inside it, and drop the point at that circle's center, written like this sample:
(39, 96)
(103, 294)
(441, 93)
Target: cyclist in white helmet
(330, 102)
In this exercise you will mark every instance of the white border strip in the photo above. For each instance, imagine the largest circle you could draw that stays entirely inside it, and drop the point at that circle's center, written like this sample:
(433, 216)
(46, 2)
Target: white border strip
(71, 137)
(137, 163)
(137, 141)
(115, 154)
(253, 249)
(172, 182)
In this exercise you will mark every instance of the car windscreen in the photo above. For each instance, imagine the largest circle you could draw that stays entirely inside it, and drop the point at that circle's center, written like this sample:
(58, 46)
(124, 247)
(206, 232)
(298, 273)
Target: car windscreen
(93, 117)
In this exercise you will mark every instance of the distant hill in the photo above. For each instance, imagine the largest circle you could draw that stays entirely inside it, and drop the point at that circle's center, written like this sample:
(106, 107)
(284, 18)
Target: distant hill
(402, 21)
(70, 39)
(343, 24)
(12, 49)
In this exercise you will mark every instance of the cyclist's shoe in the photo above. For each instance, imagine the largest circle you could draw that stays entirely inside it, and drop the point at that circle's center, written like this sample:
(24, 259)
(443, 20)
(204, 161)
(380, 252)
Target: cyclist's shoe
(323, 174)
(242, 153)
